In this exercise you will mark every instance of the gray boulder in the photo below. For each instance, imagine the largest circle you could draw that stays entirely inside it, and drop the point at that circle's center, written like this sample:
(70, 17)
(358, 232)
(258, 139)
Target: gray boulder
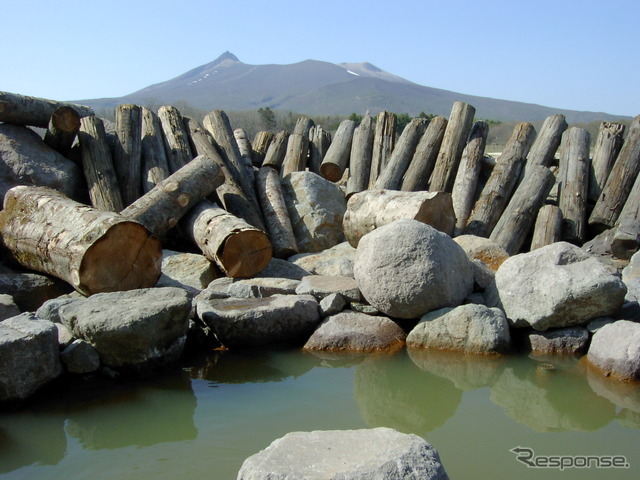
(332, 304)
(262, 287)
(80, 357)
(356, 332)
(559, 285)
(316, 207)
(615, 350)
(8, 307)
(408, 268)
(334, 261)
(279, 268)
(468, 328)
(133, 330)
(563, 341)
(369, 454)
(31, 290)
(321, 286)
(28, 356)
(483, 249)
(186, 270)
(260, 321)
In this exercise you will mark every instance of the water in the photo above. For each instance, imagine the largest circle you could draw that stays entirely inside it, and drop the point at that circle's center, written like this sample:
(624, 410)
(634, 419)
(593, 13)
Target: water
(203, 421)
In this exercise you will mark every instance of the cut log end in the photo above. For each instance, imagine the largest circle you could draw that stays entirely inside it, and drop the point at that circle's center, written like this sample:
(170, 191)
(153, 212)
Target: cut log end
(331, 172)
(66, 119)
(245, 253)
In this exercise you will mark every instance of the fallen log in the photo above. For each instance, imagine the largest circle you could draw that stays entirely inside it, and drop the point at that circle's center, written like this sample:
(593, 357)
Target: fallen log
(384, 141)
(239, 249)
(548, 227)
(155, 164)
(93, 250)
(360, 159)
(176, 138)
(391, 177)
(319, 141)
(276, 151)
(127, 156)
(160, 209)
(62, 129)
(417, 175)
(616, 190)
(497, 191)
(371, 209)
(455, 138)
(97, 163)
(295, 159)
(276, 217)
(605, 152)
(336, 159)
(546, 143)
(574, 173)
(466, 182)
(37, 112)
(259, 146)
(514, 225)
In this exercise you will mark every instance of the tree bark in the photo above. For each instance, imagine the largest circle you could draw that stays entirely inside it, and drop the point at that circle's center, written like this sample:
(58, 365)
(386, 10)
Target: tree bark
(498, 189)
(371, 209)
(384, 141)
(548, 227)
(606, 150)
(127, 158)
(260, 144)
(161, 209)
(295, 159)
(176, 138)
(464, 186)
(336, 159)
(547, 142)
(455, 138)
(37, 112)
(97, 163)
(319, 142)
(424, 159)
(276, 217)
(277, 151)
(239, 249)
(623, 174)
(360, 161)
(93, 250)
(515, 223)
(155, 164)
(391, 177)
(574, 173)
(63, 127)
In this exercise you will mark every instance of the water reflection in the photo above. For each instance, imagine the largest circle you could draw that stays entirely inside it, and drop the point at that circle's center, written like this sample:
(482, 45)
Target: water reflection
(624, 395)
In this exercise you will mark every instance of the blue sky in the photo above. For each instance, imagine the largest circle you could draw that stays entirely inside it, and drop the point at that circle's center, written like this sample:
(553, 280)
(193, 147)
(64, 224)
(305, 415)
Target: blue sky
(581, 55)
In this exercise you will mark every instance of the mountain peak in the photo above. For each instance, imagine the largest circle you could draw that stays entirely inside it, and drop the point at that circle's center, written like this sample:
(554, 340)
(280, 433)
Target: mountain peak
(225, 57)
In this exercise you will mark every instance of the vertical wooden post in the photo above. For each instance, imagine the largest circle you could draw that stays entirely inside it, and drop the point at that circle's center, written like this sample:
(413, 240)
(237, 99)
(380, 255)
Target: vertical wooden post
(574, 174)
(361, 150)
(319, 141)
(127, 158)
(155, 165)
(384, 141)
(276, 151)
(303, 126)
(417, 175)
(295, 158)
(548, 227)
(626, 238)
(260, 144)
(547, 142)
(336, 159)
(62, 130)
(605, 152)
(176, 138)
(244, 148)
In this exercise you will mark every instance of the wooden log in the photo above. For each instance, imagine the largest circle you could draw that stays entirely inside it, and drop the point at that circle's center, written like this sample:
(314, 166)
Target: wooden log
(37, 112)
(295, 158)
(548, 227)
(230, 195)
(319, 142)
(127, 155)
(616, 190)
(424, 159)
(303, 126)
(276, 217)
(605, 152)
(547, 142)
(62, 130)
(176, 138)
(239, 249)
(360, 158)
(574, 174)
(466, 182)
(160, 209)
(336, 159)
(277, 151)
(515, 223)
(155, 164)
(626, 237)
(500, 185)
(371, 209)
(455, 138)
(244, 147)
(391, 177)
(384, 141)
(259, 146)
(93, 250)
(97, 164)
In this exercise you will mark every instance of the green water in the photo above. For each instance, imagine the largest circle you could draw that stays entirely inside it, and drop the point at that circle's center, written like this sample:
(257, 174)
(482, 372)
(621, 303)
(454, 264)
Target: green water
(203, 421)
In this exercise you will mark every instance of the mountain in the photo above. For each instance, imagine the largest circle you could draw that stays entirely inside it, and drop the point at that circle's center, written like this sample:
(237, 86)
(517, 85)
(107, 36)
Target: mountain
(322, 88)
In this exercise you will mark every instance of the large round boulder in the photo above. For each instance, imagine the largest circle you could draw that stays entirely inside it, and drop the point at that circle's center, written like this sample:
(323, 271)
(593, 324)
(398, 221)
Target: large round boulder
(407, 268)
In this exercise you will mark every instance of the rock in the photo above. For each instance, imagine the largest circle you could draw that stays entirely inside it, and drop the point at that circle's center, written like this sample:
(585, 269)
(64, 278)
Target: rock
(615, 350)
(632, 270)
(356, 332)
(482, 275)
(8, 307)
(316, 207)
(279, 268)
(361, 307)
(332, 304)
(186, 270)
(373, 454)
(468, 328)
(30, 290)
(65, 337)
(50, 310)
(262, 287)
(260, 321)
(483, 249)
(597, 323)
(407, 268)
(555, 286)
(601, 247)
(133, 330)
(28, 356)
(320, 286)
(566, 341)
(334, 261)
(80, 357)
